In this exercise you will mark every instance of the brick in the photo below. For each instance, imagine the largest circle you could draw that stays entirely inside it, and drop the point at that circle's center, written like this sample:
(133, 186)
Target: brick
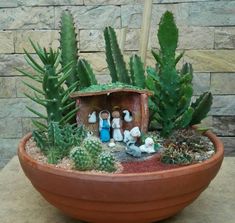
(225, 38)
(211, 60)
(27, 18)
(7, 87)
(43, 38)
(224, 125)
(201, 83)
(219, 13)
(223, 83)
(10, 127)
(6, 38)
(92, 17)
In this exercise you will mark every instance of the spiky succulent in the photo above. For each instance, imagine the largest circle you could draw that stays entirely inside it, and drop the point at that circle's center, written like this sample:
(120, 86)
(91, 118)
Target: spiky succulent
(69, 46)
(93, 146)
(81, 70)
(173, 155)
(52, 94)
(116, 64)
(56, 142)
(173, 90)
(82, 159)
(106, 162)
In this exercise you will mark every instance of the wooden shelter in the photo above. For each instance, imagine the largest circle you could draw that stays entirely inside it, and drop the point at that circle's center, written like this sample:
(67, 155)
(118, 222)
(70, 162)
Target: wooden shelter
(133, 100)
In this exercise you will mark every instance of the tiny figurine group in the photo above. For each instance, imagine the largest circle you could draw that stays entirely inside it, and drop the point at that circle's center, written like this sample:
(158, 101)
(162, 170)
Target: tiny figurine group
(110, 130)
(105, 124)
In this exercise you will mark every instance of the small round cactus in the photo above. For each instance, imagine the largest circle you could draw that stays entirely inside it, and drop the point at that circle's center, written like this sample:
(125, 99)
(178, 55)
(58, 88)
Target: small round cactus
(106, 162)
(93, 146)
(81, 158)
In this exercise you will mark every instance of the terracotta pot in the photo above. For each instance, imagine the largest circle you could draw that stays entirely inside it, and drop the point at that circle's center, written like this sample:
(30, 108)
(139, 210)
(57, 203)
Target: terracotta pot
(120, 198)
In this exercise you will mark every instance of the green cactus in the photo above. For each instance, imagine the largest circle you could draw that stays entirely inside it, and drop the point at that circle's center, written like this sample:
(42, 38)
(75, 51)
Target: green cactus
(87, 77)
(117, 65)
(201, 107)
(52, 95)
(81, 158)
(56, 142)
(68, 46)
(137, 71)
(114, 57)
(170, 104)
(173, 155)
(106, 162)
(93, 146)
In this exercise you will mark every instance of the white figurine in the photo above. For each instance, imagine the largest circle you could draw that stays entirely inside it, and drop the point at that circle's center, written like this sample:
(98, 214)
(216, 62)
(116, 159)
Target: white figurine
(92, 117)
(116, 125)
(112, 143)
(148, 146)
(130, 138)
(127, 116)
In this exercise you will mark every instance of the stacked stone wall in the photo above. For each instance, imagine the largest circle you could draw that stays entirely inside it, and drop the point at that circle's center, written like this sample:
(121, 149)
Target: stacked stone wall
(207, 34)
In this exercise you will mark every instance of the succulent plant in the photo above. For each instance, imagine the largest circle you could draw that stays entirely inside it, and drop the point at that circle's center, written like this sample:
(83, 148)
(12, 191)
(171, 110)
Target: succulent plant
(201, 107)
(93, 146)
(69, 46)
(117, 65)
(106, 162)
(82, 159)
(52, 95)
(137, 71)
(170, 104)
(86, 74)
(56, 142)
(173, 155)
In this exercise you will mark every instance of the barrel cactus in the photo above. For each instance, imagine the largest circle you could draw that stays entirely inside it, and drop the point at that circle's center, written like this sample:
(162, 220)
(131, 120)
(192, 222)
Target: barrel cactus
(106, 162)
(82, 159)
(93, 146)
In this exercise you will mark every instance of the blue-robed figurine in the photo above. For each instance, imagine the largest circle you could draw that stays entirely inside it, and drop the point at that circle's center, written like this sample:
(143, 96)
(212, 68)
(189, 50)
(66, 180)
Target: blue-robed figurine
(104, 126)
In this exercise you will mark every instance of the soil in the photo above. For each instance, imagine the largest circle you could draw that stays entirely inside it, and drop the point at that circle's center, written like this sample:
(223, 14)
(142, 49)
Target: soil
(199, 148)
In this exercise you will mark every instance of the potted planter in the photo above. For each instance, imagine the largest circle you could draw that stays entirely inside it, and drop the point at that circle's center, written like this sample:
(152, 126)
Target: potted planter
(139, 198)
(114, 197)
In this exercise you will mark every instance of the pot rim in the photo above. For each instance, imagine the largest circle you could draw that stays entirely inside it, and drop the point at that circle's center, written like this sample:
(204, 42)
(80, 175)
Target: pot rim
(184, 170)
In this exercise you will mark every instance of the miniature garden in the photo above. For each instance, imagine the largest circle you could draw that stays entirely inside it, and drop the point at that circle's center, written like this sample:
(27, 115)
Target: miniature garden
(141, 122)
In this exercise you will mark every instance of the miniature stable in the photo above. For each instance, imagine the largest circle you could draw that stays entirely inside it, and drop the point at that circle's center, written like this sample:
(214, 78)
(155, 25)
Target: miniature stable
(113, 114)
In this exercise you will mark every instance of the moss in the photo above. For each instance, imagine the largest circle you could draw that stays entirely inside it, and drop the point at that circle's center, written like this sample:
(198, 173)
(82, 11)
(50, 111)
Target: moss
(110, 86)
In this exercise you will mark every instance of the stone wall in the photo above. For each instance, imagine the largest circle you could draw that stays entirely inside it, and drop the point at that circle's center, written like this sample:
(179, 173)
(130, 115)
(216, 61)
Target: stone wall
(207, 33)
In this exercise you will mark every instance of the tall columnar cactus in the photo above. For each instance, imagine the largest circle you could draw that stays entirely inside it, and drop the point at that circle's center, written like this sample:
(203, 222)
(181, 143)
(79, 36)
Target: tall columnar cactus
(68, 45)
(114, 57)
(137, 71)
(52, 95)
(116, 64)
(86, 75)
(172, 89)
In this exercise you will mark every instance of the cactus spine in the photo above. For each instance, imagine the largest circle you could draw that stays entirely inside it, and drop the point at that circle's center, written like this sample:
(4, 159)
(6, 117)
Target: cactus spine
(52, 96)
(106, 162)
(68, 45)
